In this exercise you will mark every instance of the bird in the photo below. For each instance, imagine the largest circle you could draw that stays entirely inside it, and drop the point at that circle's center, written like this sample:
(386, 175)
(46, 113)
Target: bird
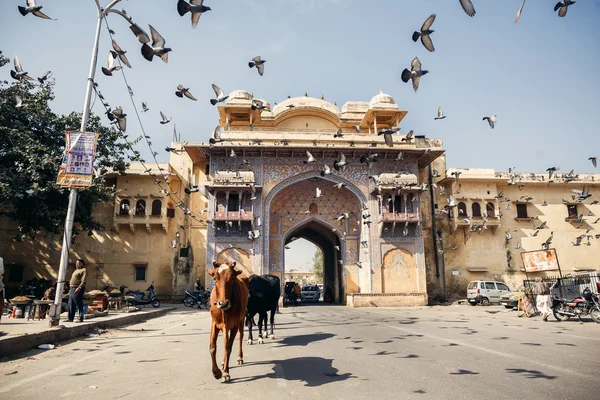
(258, 105)
(165, 120)
(219, 94)
(259, 64)
(19, 102)
(290, 106)
(338, 133)
(545, 203)
(399, 157)
(409, 136)
(491, 119)
(326, 170)
(551, 171)
(343, 217)
(18, 73)
(357, 128)
(369, 160)
(33, 9)
(145, 107)
(341, 163)
(195, 7)
(232, 153)
(415, 73)
(424, 33)
(387, 135)
(112, 55)
(561, 6)
(468, 7)
(339, 185)
(121, 54)
(581, 194)
(520, 11)
(440, 114)
(594, 161)
(44, 77)
(216, 136)
(310, 158)
(287, 247)
(317, 193)
(181, 91)
(456, 175)
(577, 241)
(157, 48)
(120, 117)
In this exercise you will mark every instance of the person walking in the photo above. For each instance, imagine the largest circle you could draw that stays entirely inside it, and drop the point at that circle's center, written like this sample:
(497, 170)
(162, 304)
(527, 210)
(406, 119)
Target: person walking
(76, 290)
(542, 300)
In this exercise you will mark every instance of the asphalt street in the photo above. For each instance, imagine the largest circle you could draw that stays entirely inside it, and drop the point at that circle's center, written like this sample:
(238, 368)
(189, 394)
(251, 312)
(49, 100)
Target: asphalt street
(325, 352)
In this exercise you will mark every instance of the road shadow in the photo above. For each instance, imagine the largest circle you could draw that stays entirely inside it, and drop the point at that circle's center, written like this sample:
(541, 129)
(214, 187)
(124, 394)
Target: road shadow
(530, 373)
(566, 344)
(85, 373)
(464, 372)
(312, 371)
(152, 361)
(304, 340)
(409, 356)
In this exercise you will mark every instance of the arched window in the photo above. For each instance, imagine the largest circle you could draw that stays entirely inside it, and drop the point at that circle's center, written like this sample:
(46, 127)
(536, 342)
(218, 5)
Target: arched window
(490, 209)
(140, 208)
(157, 208)
(398, 204)
(220, 205)
(234, 202)
(462, 210)
(124, 207)
(246, 202)
(476, 208)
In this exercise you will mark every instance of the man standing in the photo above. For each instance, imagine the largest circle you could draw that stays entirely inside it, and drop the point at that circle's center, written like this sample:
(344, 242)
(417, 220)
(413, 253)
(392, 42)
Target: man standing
(76, 290)
(542, 301)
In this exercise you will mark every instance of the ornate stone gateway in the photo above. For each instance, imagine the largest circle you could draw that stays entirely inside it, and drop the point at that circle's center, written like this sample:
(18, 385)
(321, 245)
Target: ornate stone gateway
(365, 216)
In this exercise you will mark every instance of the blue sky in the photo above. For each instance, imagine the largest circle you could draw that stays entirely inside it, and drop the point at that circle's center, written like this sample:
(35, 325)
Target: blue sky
(539, 76)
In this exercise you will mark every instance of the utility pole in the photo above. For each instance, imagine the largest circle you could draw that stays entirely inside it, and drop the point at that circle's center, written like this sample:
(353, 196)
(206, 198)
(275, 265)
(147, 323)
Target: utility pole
(64, 256)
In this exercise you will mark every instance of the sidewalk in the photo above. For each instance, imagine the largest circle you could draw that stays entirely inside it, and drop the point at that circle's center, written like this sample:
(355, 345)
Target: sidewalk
(19, 334)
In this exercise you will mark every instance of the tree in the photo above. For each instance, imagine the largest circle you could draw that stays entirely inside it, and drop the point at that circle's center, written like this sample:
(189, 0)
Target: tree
(32, 142)
(318, 265)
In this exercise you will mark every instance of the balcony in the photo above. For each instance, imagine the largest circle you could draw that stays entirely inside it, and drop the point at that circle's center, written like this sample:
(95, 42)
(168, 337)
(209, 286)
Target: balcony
(147, 220)
(233, 216)
(400, 217)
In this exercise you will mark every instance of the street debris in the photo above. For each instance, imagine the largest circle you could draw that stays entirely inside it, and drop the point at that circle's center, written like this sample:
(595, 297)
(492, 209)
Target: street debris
(46, 346)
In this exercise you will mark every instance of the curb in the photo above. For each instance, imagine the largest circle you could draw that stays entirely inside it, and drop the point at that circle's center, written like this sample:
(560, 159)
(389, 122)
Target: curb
(18, 344)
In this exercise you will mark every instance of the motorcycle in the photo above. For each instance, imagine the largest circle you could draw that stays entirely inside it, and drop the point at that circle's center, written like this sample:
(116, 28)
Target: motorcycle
(139, 297)
(197, 298)
(586, 305)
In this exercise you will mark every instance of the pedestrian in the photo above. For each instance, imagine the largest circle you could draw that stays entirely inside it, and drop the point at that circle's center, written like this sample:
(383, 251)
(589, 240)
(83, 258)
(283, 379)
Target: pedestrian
(76, 290)
(1, 287)
(542, 300)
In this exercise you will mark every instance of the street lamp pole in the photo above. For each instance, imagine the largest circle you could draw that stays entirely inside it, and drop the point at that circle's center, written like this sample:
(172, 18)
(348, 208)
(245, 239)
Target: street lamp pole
(64, 256)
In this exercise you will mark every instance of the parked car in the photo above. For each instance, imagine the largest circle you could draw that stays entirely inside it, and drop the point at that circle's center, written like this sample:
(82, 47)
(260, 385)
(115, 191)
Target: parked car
(486, 292)
(310, 293)
(510, 300)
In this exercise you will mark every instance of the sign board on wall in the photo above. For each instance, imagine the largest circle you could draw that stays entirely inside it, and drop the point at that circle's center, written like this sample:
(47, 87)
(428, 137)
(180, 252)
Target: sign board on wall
(76, 166)
(540, 260)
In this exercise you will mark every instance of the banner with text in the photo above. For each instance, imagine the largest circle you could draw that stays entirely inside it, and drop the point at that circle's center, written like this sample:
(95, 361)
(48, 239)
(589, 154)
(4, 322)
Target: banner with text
(76, 167)
(540, 260)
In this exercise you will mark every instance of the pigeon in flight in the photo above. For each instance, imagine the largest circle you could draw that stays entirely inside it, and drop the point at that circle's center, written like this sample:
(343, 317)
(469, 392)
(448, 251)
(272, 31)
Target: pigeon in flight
(341, 163)
(45, 77)
(145, 107)
(139, 33)
(258, 105)
(220, 95)
(18, 72)
(520, 11)
(181, 91)
(387, 135)
(357, 128)
(468, 7)
(409, 136)
(581, 194)
(551, 171)
(121, 54)
(33, 9)
(415, 73)
(216, 135)
(158, 46)
(326, 170)
(339, 185)
(318, 193)
(195, 7)
(424, 33)
(165, 120)
(259, 64)
(369, 160)
(491, 119)
(112, 55)
(594, 161)
(118, 116)
(562, 7)
(19, 102)
(440, 113)
(310, 158)
(338, 133)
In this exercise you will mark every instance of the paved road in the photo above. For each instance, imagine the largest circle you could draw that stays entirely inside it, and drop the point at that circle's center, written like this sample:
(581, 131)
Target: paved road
(326, 352)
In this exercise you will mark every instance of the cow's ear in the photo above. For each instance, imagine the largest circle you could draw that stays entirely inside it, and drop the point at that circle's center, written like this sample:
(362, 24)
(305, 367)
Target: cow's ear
(232, 265)
(216, 265)
(236, 272)
(214, 273)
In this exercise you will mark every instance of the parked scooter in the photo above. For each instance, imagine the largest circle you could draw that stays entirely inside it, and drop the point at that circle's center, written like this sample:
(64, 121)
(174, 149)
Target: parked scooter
(139, 296)
(200, 299)
(583, 306)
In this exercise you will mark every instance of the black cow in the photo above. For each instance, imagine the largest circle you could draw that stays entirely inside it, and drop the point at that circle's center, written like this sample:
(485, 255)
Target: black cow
(264, 296)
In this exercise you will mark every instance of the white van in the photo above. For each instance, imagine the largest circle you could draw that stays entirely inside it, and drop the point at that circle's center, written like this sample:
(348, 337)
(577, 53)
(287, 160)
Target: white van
(486, 292)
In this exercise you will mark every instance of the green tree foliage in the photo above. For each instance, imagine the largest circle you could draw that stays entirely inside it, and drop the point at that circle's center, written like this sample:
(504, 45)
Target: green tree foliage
(32, 142)
(318, 265)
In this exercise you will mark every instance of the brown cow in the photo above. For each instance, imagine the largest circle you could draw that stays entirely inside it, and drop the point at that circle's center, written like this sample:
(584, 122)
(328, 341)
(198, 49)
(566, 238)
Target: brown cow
(228, 303)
